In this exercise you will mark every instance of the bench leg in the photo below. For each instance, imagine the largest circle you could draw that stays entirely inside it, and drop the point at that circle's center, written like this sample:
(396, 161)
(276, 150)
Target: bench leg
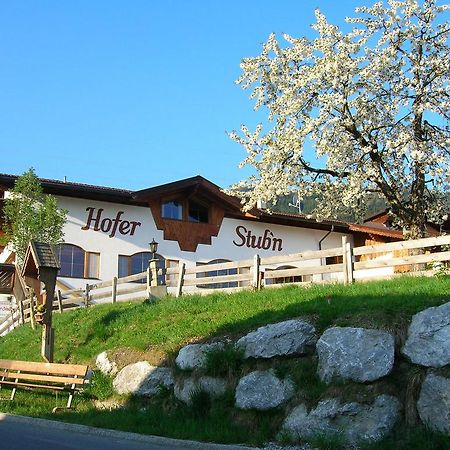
(13, 393)
(71, 394)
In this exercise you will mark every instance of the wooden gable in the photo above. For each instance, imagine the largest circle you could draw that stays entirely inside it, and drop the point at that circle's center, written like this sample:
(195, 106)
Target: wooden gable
(186, 232)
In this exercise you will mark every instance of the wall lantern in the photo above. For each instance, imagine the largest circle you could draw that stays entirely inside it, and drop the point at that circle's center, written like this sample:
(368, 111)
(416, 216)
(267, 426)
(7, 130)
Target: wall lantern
(153, 247)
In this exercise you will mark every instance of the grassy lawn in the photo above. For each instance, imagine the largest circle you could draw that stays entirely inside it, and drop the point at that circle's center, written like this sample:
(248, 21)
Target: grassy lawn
(155, 331)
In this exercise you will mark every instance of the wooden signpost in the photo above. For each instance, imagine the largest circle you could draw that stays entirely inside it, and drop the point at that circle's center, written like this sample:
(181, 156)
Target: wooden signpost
(41, 267)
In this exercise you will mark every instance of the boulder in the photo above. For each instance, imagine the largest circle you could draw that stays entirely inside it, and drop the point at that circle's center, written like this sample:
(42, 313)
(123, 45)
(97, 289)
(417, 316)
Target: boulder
(262, 390)
(356, 354)
(214, 387)
(143, 379)
(105, 365)
(355, 422)
(428, 338)
(284, 338)
(193, 356)
(434, 403)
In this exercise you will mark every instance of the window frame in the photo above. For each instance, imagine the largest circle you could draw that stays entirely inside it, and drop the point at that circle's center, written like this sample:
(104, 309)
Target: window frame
(86, 263)
(185, 207)
(173, 200)
(158, 256)
(285, 280)
(209, 273)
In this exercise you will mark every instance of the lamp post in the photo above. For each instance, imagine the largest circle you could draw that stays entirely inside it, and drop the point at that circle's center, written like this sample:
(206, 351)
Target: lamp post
(152, 271)
(153, 248)
(155, 287)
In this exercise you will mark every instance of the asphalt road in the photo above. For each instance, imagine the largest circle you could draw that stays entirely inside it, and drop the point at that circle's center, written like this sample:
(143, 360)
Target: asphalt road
(24, 433)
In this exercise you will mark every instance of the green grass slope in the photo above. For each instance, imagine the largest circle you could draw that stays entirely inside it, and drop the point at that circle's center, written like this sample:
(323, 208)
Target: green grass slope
(155, 331)
(168, 324)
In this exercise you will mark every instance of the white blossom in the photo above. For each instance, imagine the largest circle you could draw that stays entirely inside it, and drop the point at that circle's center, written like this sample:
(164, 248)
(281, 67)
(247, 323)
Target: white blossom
(374, 102)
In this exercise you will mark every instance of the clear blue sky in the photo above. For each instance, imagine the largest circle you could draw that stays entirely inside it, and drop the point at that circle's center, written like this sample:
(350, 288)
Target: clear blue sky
(134, 93)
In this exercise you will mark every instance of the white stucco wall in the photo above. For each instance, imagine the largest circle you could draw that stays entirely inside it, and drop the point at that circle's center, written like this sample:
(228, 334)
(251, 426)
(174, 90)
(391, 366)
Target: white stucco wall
(227, 245)
(134, 228)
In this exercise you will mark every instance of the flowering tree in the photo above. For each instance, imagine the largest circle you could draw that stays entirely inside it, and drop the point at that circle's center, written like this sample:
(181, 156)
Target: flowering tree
(374, 105)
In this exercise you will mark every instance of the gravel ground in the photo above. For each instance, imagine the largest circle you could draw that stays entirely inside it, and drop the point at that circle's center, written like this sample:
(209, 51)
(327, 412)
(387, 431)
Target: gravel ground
(273, 446)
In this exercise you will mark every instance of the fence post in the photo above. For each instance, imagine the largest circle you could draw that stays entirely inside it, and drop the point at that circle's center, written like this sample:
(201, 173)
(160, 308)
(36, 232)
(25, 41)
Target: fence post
(12, 313)
(114, 290)
(149, 280)
(21, 312)
(59, 298)
(344, 260)
(32, 309)
(86, 295)
(256, 272)
(350, 274)
(154, 271)
(182, 270)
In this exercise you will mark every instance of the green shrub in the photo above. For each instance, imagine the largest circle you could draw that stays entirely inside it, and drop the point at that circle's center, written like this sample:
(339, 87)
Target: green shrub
(200, 403)
(222, 362)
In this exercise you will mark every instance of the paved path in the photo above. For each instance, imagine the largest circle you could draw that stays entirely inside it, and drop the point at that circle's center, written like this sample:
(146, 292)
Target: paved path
(26, 433)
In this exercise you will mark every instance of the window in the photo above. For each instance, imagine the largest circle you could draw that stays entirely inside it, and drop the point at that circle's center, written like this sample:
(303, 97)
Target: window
(198, 213)
(330, 260)
(137, 263)
(188, 210)
(216, 273)
(76, 263)
(282, 280)
(172, 210)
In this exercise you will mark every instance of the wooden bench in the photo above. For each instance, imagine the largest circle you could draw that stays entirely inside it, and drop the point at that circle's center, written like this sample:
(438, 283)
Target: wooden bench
(42, 375)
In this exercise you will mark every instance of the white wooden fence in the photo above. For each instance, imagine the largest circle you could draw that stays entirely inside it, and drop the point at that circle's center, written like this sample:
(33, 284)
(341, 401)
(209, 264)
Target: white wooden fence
(341, 264)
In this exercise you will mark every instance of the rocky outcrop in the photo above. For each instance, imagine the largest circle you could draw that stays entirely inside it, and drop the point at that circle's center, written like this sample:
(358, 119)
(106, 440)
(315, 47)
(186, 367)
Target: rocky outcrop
(214, 387)
(105, 365)
(429, 336)
(356, 354)
(279, 339)
(193, 356)
(354, 421)
(434, 403)
(262, 390)
(141, 378)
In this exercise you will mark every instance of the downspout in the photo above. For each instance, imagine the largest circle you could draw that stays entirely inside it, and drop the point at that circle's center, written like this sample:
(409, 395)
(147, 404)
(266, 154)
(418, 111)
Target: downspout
(328, 233)
(320, 247)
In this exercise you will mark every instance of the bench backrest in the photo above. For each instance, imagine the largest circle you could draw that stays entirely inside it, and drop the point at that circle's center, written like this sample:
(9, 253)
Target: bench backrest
(42, 371)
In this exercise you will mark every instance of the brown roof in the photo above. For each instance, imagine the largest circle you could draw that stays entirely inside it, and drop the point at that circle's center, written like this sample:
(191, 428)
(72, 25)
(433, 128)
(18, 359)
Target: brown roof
(78, 190)
(290, 219)
(39, 255)
(190, 186)
(202, 186)
(377, 229)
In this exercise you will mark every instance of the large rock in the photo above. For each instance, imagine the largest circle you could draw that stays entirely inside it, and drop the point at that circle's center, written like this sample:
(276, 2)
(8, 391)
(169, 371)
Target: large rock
(283, 338)
(214, 387)
(143, 379)
(105, 365)
(193, 356)
(356, 354)
(429, 336)
(434, 403)
(354, 421)
(262, 390)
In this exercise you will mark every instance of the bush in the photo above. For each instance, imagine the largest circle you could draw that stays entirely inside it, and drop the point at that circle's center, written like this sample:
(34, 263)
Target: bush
(222, 362)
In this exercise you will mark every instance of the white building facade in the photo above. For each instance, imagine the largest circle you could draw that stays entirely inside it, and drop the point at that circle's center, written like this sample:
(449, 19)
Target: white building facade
(107, 232)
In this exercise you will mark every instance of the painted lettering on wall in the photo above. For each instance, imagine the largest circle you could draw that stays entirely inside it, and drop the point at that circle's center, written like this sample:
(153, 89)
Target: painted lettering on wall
(107, 225)
(266, 242)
